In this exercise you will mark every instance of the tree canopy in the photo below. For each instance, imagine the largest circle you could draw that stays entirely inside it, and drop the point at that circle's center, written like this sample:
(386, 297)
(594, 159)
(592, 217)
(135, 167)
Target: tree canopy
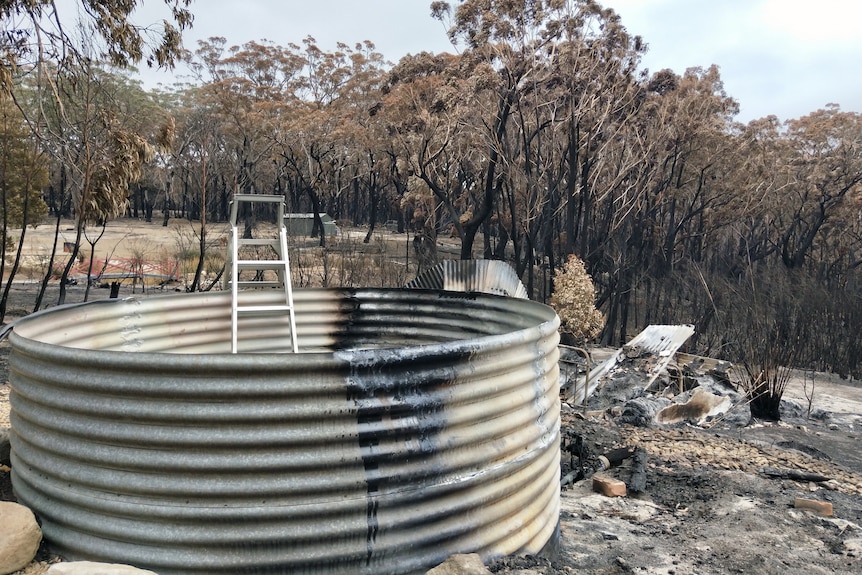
(540, 137)
(33, 30)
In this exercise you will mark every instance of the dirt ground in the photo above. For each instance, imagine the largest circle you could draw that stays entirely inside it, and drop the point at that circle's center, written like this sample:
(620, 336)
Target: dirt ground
(167, 256)
(716, 498)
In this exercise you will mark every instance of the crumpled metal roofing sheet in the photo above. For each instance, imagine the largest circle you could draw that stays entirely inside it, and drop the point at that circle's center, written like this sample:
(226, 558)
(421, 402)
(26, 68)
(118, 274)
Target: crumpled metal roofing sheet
(411, 426)
(662, 341)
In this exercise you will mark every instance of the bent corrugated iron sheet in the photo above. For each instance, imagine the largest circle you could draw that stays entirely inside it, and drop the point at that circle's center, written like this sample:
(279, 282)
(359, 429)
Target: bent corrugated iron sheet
(482, 276)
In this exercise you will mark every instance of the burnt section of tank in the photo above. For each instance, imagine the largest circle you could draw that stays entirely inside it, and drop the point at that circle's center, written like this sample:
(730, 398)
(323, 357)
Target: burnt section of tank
(389, 412)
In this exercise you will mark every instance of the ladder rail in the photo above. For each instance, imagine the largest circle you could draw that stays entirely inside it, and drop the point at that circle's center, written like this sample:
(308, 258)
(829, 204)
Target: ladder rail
(288, 285)
(234, 278)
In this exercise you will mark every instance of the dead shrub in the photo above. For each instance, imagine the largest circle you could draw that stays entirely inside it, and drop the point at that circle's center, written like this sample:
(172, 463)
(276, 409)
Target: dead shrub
(768, 334)
(574, 300)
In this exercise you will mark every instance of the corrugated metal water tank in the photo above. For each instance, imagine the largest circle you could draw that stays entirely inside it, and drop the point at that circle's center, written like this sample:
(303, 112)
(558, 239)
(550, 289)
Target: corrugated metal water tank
(413, 424)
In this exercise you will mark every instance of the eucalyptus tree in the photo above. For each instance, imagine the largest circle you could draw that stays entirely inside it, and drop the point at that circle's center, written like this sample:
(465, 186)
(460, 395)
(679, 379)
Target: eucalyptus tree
(799, 189)
(464, 159)
(501, 41)
(748, 240)
(23, 174)
(201, 143)
(553, 82)
(248, 87)
(798, 225)
(98, 144)
(598, 94)
(325, 143)
(422, 110)
(364, 138)
(151, 115)
(825, 173)
(669, 213)
(56, 52)
(36, 31)
(157, 187)
(691, 142)
(198, 157)
(584, 99)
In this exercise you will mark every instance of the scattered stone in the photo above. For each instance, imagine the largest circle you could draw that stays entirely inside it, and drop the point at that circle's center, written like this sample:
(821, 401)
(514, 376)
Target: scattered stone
(20, 537)
(93, 568)
(641, 411)
(461, 564)
(842, 524)
(608, 486)
(821, 507)
(853, 547)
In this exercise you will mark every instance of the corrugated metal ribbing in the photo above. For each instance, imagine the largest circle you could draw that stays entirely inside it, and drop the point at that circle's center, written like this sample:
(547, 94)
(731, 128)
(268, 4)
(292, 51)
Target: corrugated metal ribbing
(482, 276)
(415, 425)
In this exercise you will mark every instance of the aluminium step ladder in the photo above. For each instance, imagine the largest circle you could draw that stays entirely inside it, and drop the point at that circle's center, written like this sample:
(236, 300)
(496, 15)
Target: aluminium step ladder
(280, 265)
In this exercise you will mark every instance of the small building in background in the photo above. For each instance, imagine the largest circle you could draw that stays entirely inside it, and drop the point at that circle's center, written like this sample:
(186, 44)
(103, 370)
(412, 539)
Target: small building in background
(302, 224)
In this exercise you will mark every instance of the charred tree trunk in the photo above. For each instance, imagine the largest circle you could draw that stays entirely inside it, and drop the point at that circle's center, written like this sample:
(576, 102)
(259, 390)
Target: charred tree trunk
(373, 206)
(485, 208)
(317, 226)
(49, 271)
(18, 251)
(571, 206)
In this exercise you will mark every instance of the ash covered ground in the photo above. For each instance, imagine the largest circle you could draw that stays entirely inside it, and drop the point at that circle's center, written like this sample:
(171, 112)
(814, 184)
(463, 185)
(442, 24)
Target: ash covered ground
(720, 491)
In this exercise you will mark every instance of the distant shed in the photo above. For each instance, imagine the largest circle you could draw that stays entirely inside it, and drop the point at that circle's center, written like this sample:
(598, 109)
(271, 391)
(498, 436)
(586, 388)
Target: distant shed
(302, 224)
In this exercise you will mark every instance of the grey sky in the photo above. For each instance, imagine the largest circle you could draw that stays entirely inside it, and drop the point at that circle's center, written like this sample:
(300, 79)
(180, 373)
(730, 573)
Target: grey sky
(782, 57)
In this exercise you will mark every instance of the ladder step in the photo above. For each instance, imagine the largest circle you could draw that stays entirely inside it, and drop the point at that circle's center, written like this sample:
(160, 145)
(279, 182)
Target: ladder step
(262, 308)
(259, 284)
(272, 242)
(265, 198)
(260, 264)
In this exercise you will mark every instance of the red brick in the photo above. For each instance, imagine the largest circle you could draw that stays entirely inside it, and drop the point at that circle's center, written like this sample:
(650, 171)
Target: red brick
(821, 507)
(609, 486)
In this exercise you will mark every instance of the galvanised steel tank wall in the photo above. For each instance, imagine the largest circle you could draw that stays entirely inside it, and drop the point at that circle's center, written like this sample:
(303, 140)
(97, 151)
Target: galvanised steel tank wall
(413, 425)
